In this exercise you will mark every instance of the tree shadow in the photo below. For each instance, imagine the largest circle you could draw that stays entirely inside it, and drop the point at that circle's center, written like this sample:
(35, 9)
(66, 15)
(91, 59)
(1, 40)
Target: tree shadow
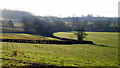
(100, 45)
(46, 41)
(65, 41)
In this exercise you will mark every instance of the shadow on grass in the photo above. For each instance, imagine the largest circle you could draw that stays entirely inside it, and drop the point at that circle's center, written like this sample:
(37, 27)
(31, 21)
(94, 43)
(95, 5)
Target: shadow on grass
(46, 41)
(64, 41)
(100, 45)
(70, 42)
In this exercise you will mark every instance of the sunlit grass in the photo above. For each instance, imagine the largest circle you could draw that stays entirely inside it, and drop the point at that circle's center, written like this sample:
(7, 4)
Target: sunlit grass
(25, 36)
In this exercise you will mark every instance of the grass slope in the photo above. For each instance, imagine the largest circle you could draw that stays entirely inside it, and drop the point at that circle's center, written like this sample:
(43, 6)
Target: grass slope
(64, 55)
(25, 36)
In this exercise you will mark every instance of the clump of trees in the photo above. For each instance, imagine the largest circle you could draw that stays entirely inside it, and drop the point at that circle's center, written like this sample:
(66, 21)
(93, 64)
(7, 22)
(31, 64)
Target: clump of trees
(42, 26)
(8, 23)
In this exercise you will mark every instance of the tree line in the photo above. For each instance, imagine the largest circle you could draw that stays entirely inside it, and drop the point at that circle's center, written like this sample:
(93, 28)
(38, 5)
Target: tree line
(47, 25)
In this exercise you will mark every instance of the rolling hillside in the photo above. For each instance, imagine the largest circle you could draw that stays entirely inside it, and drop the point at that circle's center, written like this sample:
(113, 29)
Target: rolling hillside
(25, 54)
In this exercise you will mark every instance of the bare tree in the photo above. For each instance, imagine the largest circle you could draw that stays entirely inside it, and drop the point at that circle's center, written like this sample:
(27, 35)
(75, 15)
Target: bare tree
(76, 26)
(80, 34)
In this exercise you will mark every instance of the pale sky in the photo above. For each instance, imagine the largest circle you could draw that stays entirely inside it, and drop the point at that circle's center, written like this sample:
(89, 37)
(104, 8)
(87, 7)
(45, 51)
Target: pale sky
(65, 8)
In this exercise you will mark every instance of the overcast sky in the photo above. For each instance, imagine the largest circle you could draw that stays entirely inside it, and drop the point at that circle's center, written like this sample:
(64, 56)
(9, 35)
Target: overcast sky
(65, 8)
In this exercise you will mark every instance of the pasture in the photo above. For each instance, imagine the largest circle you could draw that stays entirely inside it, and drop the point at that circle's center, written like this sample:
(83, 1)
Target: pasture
(22, 54)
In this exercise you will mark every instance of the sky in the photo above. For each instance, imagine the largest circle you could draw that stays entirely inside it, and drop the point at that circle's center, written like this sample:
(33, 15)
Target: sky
(64, 8)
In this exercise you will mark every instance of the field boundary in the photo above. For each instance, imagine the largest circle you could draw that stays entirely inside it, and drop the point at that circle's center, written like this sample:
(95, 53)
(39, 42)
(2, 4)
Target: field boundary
(46, 41)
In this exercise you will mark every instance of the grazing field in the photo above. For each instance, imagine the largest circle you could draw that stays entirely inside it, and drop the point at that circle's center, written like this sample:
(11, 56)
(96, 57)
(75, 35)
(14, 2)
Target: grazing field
(21, 54)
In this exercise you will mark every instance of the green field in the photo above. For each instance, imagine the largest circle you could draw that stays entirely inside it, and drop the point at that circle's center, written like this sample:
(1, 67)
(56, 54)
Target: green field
(63, 54)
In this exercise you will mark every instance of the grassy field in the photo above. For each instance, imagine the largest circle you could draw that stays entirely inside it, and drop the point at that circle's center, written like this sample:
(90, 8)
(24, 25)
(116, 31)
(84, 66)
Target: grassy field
(21, 54)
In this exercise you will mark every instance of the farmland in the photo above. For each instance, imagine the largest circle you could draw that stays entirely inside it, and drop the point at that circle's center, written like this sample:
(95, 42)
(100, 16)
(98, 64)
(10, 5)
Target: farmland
(22, 54)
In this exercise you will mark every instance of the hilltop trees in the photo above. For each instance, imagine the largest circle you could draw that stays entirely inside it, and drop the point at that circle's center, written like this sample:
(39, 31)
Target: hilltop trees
(12, 14)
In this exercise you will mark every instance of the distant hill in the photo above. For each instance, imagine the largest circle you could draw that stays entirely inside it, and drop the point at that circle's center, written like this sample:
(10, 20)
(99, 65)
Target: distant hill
(14, 14)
